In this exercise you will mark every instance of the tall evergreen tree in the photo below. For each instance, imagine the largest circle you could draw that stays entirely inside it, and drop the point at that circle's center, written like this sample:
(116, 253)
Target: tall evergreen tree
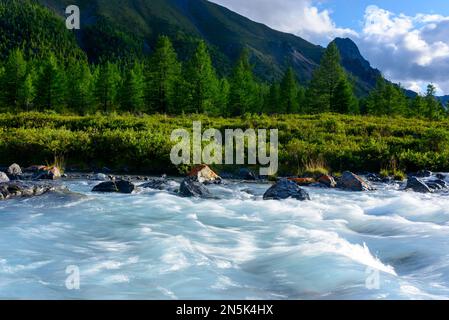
(223, 97)
(132, 91)
(289, 92)
(106, 86)
(51, 85)
(243, 91)
(27, 92)
(202, 80)
(163, 75)
(80, 87)
(325, 80)
(344, 99)
(13, 77)
(386, 99)
(433, 108)
(273, 100)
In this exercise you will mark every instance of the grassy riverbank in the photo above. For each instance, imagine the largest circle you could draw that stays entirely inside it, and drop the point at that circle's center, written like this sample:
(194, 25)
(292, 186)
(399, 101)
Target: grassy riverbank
(142, 144)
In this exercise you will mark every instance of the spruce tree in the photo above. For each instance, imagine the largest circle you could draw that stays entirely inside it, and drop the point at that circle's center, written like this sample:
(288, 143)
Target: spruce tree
(243, 91)
(202, 80)
(13, 77)
(80, 87)
(289, 93)
(164, 71)
(324, 82)
(273, 100)
(106, 86)
(51, 85)
(27, 92)
(344, 101)
(132, 91)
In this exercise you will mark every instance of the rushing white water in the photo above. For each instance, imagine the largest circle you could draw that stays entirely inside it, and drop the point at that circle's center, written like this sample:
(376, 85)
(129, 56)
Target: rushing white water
(154, 245)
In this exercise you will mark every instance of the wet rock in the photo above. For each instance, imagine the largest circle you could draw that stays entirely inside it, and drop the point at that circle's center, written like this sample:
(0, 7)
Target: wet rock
(437, 184)
(417, 185)
(352, 182)
(14, 171)
(328, 181)
(48, 173)
(16, 189)
(247, 174)
(302, 181)
(285, 189)
(441, 176)
(161, 184)
(423, 174)
(372, 177)
(120, 186)
(190, 187)
(99, 177)
(204, 174)
(35, 168)
(3, 177)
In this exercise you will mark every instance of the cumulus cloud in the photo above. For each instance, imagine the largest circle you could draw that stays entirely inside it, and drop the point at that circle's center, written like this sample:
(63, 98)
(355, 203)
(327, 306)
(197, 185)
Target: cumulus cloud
(412, 50)
(299, 17)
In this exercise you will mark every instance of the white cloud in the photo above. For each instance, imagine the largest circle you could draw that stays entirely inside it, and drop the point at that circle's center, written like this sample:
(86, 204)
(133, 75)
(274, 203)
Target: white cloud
(300, 17)
(412, 50)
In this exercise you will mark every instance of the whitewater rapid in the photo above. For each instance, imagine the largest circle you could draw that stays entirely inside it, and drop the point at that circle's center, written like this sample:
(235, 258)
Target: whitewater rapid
(155, 245)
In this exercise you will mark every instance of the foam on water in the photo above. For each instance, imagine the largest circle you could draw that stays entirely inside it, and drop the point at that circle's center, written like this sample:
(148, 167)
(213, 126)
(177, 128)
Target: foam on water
(154, 245)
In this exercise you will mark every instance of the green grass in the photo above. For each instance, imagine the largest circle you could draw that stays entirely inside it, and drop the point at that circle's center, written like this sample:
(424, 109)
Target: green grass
(143, 143)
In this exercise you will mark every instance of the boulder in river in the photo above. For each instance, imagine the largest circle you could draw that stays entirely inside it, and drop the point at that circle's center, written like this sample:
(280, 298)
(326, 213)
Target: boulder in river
(120, 186)
(47, 173)
(328, 181)
(190, 187)
(352, 182)
(302, 181)
(16, 189)
(14, 171)
(204, 174)
(417, 185)
(3, 177)
(285, 189)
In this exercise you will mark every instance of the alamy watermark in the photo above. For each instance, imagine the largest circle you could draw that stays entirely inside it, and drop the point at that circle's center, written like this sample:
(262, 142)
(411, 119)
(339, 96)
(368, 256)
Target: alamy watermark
(72, 282)
(190, 150)
(73, 20)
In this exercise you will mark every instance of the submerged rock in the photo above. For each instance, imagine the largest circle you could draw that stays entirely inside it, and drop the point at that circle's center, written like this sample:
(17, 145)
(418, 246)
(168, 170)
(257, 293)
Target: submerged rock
(352, 182)
(437, 184)
(204, 174)
(417, 185)
(285, 189)
(14, 171)
(423, 174)
(10, 190)
(190, 187)
(119, 186)
(99, 177)
(247, 174)
(161, 184)
(3, 177)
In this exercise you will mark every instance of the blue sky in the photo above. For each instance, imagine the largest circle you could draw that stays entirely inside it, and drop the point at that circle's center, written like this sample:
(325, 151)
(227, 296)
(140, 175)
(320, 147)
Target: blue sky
(408, 40)
(349, 13)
